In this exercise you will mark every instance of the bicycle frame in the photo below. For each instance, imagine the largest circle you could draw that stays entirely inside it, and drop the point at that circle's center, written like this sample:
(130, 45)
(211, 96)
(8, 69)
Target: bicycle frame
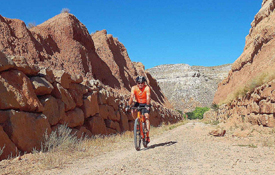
(140, 129)
(141, 118)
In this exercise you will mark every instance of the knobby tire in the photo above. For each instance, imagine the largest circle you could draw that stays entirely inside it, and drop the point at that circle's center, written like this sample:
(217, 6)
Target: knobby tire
(137, 136)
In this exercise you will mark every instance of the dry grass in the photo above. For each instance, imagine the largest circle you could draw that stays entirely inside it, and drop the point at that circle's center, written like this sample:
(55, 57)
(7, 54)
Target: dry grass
(1, 150)
(259, 80)
(61, 148)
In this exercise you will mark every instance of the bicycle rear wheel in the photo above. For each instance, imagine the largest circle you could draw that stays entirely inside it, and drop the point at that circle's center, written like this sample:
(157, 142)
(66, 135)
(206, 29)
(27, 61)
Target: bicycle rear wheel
(137, 137)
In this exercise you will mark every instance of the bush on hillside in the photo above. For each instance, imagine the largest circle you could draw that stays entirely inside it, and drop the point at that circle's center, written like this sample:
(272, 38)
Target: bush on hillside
(197, 113)
(31, 25)
(65, 10)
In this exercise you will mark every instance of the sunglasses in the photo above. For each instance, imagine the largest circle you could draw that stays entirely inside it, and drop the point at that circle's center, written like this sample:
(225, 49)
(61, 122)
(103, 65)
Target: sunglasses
(140, 83)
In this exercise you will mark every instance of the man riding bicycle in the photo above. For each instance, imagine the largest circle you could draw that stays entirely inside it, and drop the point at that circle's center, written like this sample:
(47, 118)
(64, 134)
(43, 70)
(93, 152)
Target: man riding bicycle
(142, 94)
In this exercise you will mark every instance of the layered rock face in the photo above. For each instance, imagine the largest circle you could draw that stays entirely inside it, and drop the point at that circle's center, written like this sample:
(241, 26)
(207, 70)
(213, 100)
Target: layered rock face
(257, 108)
(36, 101)
(187, 87)
(255, 67)
(258, 56)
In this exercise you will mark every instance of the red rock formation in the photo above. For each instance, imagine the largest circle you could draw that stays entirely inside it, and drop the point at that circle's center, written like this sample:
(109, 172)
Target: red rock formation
(63, 43)
(258, 56)
(115, 55)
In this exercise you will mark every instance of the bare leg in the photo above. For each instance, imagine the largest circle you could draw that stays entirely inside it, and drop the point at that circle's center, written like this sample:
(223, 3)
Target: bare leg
(147, 123)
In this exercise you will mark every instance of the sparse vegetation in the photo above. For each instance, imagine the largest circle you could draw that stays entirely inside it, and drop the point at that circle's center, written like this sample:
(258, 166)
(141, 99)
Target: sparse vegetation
(197, 113)
(61, 146)
(212, 122)
(1, 150)
(215, 107)
(182, 114)
(249, 146)
(263, 78)
(31, 25)
(65, 10)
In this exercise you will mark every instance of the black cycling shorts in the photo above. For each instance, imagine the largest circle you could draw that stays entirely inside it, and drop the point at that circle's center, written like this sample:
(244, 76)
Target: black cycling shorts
(142, 105)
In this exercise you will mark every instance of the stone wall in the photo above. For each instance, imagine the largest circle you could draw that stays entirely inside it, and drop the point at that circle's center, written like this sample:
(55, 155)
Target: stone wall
(257, 107)
(34, 101)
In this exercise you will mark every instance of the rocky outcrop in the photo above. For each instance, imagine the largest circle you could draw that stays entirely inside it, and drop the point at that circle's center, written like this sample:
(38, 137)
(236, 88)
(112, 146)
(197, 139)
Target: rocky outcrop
(257, 108)
(64, 43)
(32, 105)
(257, 58)
(115, 55)
(187, 87)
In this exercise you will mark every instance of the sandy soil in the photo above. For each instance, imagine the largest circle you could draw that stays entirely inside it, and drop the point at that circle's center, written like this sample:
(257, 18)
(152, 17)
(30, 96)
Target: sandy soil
(187, 149)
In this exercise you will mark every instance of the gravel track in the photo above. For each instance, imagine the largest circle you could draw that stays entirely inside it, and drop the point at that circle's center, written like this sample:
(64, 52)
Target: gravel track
(187, 149)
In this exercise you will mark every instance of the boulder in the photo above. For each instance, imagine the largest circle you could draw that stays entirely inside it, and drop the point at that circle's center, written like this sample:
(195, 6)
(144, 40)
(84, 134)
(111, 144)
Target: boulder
(7, 147)
(73, 118)
(83, 132)
(41, 86)
(62, 78)
(5, 62)
(113, 125)
(61, 93)
(108, 112)
(4, 116)
(51, 109)
(27, 130)
(77, 91)
(17, 92)
(90, 106)
(124, 122)
(218, 132)
(22, 65)
(47, 74)
(96, 125)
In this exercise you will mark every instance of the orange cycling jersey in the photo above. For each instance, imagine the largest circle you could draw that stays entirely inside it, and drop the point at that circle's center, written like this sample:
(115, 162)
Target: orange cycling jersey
(141, 94)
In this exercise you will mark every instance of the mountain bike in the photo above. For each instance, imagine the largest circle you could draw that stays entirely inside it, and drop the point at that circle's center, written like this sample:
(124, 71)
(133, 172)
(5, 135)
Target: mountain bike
(140, 129)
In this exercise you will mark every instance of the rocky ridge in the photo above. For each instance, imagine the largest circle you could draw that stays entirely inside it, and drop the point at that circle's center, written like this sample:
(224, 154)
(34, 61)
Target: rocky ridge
(187, 87)
(64, 43)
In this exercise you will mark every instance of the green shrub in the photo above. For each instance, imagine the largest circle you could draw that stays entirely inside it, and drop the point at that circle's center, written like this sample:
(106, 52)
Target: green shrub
(197, 113)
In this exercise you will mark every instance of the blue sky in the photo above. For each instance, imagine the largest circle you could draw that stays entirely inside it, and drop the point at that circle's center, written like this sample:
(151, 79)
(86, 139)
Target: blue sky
(155, 32)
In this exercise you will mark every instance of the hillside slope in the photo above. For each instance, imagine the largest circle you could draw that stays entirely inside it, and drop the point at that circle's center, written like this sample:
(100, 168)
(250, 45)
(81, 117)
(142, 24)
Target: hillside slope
(258, 57)
(187, 87)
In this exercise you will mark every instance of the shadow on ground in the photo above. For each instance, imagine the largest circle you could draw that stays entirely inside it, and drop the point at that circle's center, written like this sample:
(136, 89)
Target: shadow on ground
(161, 144)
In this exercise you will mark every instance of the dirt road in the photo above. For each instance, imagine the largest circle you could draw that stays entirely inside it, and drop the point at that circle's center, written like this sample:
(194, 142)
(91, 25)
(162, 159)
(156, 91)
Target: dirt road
(187, 149)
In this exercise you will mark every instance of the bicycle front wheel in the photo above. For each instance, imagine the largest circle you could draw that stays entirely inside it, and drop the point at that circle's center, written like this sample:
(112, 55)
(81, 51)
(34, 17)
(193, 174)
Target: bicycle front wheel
(137, 137)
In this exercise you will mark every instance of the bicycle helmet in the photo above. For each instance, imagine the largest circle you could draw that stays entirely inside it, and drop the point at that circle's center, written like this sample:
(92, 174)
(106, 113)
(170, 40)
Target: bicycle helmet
(140, 79)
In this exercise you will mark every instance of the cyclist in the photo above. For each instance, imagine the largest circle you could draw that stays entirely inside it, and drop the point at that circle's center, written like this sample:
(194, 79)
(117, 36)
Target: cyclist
(142, 94)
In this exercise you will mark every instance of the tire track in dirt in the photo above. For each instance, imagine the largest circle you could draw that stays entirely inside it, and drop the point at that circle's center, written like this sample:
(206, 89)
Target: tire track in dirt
(187, 149)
